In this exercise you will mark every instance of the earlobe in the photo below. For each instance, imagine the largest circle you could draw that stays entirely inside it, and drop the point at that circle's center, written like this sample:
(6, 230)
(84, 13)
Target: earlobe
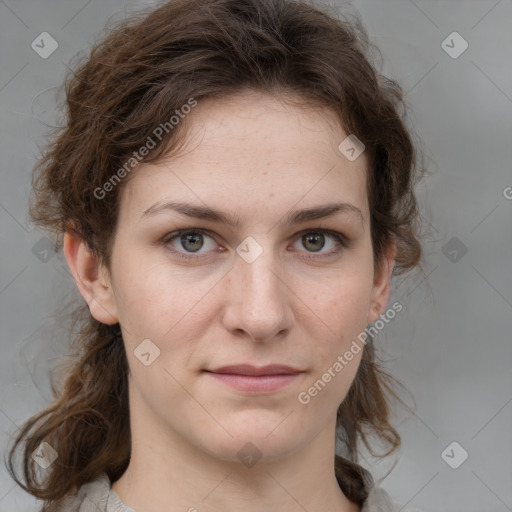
(91, 279)
(382, 284)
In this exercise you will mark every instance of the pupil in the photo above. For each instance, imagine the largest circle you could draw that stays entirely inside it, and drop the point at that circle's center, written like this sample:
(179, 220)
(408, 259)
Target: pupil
(315, 238)
(194, 239)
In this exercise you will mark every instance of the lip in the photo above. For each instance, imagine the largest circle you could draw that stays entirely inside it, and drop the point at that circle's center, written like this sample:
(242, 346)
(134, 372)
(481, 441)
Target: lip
(254, 379)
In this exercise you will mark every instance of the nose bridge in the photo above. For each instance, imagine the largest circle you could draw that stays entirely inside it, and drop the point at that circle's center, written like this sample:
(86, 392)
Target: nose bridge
(260, 302)
(259, 280)
(253, 267)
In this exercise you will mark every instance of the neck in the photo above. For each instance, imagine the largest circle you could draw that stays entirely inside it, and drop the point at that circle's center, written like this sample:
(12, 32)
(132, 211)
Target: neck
(167, 472)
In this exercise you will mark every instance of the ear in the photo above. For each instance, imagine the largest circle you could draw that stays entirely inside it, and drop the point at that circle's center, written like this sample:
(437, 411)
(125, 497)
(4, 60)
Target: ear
(382, 283)
(91, 278)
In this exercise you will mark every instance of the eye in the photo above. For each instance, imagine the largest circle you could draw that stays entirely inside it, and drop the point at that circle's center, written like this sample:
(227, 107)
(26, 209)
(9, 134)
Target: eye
(190, 241)
(317, 240)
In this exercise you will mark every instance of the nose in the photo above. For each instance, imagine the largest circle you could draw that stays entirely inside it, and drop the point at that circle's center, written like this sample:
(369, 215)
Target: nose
(259, 300)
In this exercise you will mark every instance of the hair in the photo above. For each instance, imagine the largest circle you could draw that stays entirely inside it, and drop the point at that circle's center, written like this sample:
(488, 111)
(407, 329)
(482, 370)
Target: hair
(143, 70)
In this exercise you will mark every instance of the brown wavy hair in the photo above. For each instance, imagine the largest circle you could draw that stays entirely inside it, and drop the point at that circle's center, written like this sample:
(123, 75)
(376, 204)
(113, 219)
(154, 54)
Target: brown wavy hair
(135, 78)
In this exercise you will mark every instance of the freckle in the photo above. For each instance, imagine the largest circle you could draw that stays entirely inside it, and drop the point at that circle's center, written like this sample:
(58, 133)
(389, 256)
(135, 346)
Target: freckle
(271, 194)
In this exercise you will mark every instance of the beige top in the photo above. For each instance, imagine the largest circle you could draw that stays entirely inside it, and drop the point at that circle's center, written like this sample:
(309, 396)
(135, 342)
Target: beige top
(98, 496)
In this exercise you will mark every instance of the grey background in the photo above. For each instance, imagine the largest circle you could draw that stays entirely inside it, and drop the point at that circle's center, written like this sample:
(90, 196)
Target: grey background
(451, 346)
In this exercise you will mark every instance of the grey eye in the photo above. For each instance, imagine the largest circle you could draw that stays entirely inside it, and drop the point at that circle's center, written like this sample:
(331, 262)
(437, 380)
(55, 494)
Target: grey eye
(192, 241)
(314, 241)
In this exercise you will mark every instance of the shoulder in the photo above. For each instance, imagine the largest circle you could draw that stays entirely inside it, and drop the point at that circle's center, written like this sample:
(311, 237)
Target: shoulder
(95, 496)
(98, 496)
(358, 484)
(378, 500)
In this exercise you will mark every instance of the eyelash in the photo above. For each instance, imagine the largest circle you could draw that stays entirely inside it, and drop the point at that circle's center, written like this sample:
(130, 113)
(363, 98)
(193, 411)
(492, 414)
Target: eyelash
(342, 241)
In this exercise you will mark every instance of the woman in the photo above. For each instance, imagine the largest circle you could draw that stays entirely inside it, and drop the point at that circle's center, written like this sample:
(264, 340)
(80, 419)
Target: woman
(234, 192)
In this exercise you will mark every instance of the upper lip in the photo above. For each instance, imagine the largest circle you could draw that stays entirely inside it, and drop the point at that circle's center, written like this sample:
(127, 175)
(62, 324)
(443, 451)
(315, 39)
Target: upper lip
(247, 369)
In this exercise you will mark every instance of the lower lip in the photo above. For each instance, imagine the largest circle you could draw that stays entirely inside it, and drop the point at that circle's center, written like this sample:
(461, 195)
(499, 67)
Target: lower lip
(255, 383)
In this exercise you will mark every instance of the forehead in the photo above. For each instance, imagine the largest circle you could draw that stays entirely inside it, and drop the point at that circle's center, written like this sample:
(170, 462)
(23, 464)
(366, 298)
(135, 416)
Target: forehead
(284, 126)
(250, 151)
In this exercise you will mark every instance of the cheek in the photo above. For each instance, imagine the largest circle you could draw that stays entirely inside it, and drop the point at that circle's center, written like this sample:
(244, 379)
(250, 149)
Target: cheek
(341, 301)
(341, 304)
(153, 298)
(342, 308)
(349, 306)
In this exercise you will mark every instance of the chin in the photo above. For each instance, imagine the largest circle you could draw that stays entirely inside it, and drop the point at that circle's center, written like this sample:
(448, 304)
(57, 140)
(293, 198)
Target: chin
(255, 439)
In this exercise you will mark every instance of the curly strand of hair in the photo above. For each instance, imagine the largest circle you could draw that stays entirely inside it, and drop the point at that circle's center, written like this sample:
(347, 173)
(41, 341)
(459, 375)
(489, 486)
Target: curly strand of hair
(87, 424)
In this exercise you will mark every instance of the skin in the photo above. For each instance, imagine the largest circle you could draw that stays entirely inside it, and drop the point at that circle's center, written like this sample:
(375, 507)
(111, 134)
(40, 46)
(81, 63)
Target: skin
(259, 158)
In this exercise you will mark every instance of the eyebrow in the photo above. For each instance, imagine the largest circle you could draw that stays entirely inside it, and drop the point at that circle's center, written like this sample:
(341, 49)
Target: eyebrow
(294, 217)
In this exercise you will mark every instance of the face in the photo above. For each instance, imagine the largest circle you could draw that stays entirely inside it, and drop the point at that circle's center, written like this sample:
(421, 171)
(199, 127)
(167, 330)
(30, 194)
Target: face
(227, 325)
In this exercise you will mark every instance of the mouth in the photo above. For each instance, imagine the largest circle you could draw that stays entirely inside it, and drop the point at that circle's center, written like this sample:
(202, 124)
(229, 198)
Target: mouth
(254, 379)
